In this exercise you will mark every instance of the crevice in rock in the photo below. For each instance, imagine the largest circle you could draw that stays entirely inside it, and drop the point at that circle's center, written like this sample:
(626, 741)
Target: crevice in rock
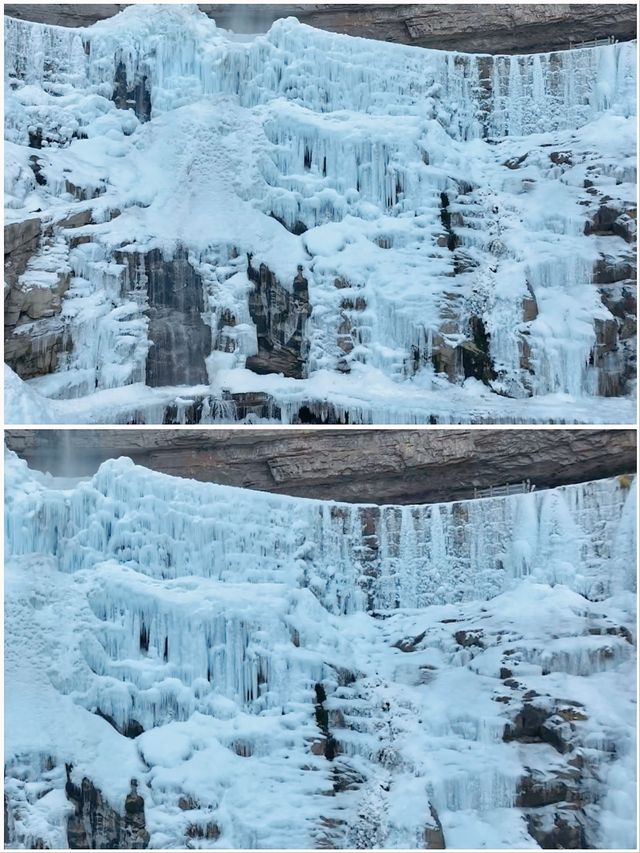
(144, 638)
(445, 218)
(330, 745)
(475, 356)
(36, 167)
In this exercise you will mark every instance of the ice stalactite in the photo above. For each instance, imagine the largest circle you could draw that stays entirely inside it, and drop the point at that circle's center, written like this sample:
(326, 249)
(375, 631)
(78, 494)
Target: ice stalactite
(178, 44)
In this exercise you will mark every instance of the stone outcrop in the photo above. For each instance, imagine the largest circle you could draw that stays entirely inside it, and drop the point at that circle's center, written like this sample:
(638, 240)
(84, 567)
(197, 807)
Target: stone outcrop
(35, 351)
(495, 28)
(433, 833)
(36, 279)
(378, 466)
(95, 824)
(280, 318)
(20, 242)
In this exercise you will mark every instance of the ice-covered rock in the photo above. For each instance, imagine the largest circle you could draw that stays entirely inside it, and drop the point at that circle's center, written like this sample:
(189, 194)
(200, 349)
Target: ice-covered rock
(463, 222)
(283, 672)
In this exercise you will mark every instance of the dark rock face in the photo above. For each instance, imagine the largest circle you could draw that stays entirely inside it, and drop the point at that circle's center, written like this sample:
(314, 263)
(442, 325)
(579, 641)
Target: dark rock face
(541, 724)
(20, 242)
(561, 829)
(535, 791)
(280, 318)
(180, 338)
(496, 28)
(136, 97)
(379, 466)
(527, 724)
(327, 745)
(95, 824)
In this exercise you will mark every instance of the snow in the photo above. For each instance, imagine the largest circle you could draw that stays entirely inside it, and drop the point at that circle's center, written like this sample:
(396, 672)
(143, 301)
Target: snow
(240, 141)
(210, 615)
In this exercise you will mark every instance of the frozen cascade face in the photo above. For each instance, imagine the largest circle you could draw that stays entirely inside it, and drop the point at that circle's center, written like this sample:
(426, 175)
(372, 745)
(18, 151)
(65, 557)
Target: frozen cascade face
(308, 684)
(462, 225)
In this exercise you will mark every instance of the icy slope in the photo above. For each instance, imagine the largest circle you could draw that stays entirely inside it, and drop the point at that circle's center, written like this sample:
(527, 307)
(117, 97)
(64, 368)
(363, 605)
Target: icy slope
(312, 225)
(279, 672)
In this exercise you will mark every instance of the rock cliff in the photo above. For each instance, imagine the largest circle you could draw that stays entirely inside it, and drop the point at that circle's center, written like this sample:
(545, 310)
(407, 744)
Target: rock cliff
(494, 28)
(357, 465)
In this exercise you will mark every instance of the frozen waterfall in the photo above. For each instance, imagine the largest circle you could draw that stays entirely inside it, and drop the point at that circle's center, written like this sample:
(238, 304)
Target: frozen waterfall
(462, 225)
(284, 672)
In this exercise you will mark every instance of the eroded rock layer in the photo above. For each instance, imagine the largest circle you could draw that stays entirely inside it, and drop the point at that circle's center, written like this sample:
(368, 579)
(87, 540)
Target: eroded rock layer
(494, 28)
(377, 466)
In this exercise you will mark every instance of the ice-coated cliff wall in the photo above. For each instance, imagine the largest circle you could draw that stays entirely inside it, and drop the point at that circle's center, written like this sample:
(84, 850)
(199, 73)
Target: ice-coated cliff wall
(275, 671)
(166, 527)
(567, 87)
(358, 230)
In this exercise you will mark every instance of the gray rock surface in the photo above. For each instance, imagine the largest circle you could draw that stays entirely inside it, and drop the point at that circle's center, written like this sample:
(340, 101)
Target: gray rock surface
(357, 465)
(33, 333)
(20, 242)
(180, 339)
(494, 28)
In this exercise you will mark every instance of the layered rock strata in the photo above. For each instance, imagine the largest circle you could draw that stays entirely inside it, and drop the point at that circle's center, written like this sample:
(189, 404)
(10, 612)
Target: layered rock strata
(377, 466)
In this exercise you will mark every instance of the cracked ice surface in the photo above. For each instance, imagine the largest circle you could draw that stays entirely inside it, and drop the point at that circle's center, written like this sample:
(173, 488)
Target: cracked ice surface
(377, 150)
(210, 615)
